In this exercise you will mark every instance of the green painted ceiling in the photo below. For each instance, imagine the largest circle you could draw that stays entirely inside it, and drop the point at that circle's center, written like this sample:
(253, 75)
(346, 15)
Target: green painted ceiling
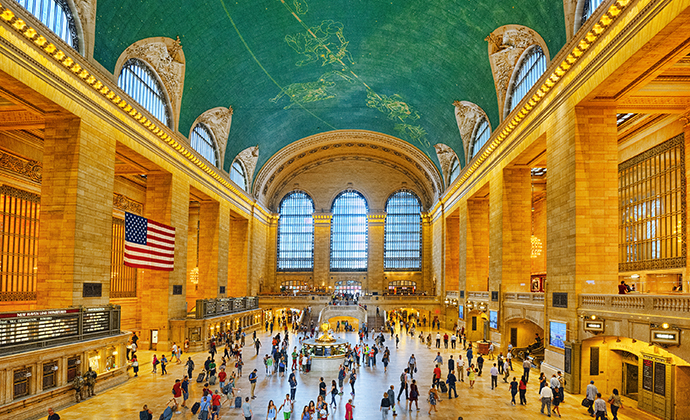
(294, 68)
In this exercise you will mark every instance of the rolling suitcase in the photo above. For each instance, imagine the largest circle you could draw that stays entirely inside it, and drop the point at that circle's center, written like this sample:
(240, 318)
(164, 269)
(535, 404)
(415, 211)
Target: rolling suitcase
(201, 377)
(195, 407)
(444, 387)
(238, 402)
(212, 380)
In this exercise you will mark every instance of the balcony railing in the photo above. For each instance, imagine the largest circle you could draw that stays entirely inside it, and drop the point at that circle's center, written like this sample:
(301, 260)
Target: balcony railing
(207, 308)
(531, 298)
(478, 296)
(647, 304)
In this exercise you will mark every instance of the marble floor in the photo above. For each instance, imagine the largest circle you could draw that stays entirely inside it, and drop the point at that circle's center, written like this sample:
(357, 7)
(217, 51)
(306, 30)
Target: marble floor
(126, 400)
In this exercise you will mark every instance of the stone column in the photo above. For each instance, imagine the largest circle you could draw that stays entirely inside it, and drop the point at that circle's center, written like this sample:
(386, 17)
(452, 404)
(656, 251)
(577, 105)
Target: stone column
(685, 119)
(213, 248)
(463, 248)
(452, 253)
(76, 213)
(377, 223)
(322, 247)
(427, 249)
(510, 230)
(582, 212)
(477, 239)
(167, 202)
(237, 257)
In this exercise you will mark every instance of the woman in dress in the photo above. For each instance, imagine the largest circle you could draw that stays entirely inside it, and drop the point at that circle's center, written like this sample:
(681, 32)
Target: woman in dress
(312, 410)
(471, 375)
(433, 399)
(305, 414)
(414, 394)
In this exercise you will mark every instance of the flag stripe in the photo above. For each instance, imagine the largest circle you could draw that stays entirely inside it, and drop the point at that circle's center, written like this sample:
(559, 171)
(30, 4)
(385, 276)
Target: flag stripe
(148, 244)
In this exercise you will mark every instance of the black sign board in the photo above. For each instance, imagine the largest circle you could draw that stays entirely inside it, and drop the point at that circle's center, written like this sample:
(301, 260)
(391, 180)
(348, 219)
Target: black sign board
(647, 375)
(659, 378)
(568, 359)
(22, 329)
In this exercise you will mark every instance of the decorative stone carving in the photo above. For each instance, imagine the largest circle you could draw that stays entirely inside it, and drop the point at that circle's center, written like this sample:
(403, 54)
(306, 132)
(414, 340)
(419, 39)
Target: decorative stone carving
(445, 157)
(87, 12)
(249, 158)
(467, 114)
(165, 56)
(218, 120)
(127, 204)
(506, 45)
(28, 168)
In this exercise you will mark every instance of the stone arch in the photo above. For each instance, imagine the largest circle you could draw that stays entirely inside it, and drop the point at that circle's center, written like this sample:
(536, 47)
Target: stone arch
(445, 156)
(506, 46)
(468, 115)
(166, 58)
(85, 21)
(525, 54)
(218, 120)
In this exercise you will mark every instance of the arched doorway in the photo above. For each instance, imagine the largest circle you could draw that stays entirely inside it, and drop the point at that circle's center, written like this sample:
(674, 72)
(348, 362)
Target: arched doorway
(352, 287)
(526, 337)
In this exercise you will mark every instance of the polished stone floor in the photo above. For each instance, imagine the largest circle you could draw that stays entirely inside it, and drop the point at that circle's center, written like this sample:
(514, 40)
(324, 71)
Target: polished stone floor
(125, 401)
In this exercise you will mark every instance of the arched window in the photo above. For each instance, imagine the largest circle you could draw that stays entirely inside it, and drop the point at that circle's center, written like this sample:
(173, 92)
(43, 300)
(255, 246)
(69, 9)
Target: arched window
(402, 244)
(454, 170)
(482, 133)
(139, 81)
(296, 233)
(349, 232)
(202, 141)
(238, 174)
(588, 9)
(57, 16)
(531, 68)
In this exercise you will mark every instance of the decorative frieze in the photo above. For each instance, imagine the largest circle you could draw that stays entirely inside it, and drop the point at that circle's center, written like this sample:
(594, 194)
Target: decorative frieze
(27, 168)
(127, 204)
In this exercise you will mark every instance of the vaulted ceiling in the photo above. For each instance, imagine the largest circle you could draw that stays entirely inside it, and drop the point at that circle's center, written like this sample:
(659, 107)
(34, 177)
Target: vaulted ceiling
(296, 68)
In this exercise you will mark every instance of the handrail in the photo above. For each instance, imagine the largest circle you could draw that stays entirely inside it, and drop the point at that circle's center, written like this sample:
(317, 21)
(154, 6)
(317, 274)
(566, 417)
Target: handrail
(638, 302)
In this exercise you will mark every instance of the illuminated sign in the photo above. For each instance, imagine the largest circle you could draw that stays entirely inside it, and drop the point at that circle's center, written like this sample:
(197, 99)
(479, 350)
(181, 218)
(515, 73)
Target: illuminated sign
(594, 326)
(665, 336)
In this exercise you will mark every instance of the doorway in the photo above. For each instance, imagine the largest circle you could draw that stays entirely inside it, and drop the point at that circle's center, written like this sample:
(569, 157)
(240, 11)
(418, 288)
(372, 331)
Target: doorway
(513, 336)
(630, 378)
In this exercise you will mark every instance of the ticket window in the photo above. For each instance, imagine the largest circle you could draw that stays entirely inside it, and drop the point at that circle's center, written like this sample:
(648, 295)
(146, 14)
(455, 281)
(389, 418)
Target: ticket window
(94, 358)
(50, 375)
(111, 358)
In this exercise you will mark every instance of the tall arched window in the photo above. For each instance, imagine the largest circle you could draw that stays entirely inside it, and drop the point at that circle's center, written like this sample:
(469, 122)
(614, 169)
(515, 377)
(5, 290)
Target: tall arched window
(402, 244)
(238, 174)
(588, 9)
(349, 232)
(296, 233)
(531, 68)
(57, 16)
(454, 170)
(482, 133)
(139, 81)
(202, 141)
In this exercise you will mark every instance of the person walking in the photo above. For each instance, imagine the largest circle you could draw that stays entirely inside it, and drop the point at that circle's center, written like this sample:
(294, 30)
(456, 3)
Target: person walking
(433, 399)
(414, 395)
(471, 375)
(591, 395)
(334, 392)
(616, 404)
(506, 371)
(135, 366)
(144, 414)
(287, 406)
(436, 381)
(353, 379)
(190, 367)
(403, 385)
(205, 406)
(480, 364)
(546, 395)
(412, 365)
(451, 380)
(469, 355)
(526, 366)
(385, 406)
(272, 411)
(600, 407)
(164, 363)
(513, 390)
(523, 391)
(461, 368)
(391, 399)
(184, 386)
(494, 376)
(451, 363)
(292, 380)
(348, 409)
(154, 363)
(438, 339)
(252, 380)
(557, 400)
(246, 409)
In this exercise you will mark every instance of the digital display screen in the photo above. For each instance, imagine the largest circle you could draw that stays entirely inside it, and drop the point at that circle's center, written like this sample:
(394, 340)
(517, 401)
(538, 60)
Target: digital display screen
(493, 319)
(461, 312)
(557, 334)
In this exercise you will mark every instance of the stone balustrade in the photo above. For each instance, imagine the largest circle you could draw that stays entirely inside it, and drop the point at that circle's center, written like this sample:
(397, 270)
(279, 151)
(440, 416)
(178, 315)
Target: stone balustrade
(678, 305)
(532, 298)
(478, 296)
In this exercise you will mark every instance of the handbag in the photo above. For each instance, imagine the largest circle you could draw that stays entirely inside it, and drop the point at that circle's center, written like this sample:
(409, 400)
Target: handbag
(586, 402)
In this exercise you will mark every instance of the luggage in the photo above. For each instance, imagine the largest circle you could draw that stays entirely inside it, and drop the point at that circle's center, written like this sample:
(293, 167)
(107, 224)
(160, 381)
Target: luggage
(444, 387)
(212, 380)
(238, 402)
(195, 407)
(201, 377)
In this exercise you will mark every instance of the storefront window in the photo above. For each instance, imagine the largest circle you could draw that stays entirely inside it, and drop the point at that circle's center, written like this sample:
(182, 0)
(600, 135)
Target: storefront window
(94, 361)
(110, 358)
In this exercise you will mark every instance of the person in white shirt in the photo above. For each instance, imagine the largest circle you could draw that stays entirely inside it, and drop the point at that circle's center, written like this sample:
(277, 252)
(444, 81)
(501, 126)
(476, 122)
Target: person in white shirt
(506, 371)
(509, 359)
(461, 368)
(494, 376)
(555, 383)
(546, 395)
(591, 393)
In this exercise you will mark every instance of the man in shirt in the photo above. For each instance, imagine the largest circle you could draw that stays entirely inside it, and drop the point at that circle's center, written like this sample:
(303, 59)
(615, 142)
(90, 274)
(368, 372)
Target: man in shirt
(177, 392)
(286, 406)
(322, 389)
(438, 340)
(412, 365)
(526, 366)
(451, 364)
(600, 407)
(439, 359)
(246, 409)
(292, 380)
(494, 376)
(341, 378)
(190, 367)
(52, 415)
(546, 395)
(554, 382)
(453, 340)
(252, 380)
(437, 377)
(451, 380)
(403, 385)
(461, 368)
(591, 394)
(445, 340)
(184, 385)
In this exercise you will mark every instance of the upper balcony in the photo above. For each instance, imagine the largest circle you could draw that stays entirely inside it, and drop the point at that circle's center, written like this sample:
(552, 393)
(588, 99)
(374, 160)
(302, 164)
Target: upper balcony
(661, 307)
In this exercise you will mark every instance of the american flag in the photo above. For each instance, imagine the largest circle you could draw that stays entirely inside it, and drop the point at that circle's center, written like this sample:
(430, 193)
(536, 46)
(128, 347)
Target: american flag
(148, 244)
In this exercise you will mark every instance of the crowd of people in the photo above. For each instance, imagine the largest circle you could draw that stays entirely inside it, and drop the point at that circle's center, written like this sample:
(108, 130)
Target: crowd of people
(220, 379)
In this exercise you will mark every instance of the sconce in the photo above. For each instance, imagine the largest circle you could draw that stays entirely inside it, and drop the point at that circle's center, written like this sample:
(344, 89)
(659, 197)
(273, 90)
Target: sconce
(55, 368)
(27, 375)
(78, 362)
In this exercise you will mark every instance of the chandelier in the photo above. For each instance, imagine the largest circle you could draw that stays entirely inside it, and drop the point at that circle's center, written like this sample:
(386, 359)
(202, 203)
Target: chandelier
(536, 246)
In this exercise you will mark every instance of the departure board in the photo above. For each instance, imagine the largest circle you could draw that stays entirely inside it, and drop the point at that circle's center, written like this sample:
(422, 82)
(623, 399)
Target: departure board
(96, 321)
(34, 326)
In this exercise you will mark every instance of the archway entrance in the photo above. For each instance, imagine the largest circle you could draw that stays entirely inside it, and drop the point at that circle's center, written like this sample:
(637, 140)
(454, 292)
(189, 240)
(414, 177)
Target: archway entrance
(526, 337)
(402, 287)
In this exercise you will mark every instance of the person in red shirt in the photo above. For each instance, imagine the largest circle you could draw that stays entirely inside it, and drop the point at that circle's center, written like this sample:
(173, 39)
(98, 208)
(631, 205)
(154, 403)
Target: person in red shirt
(622, 288)
(221, 378)
(437, 376)
(177, 392)
(215, 402)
